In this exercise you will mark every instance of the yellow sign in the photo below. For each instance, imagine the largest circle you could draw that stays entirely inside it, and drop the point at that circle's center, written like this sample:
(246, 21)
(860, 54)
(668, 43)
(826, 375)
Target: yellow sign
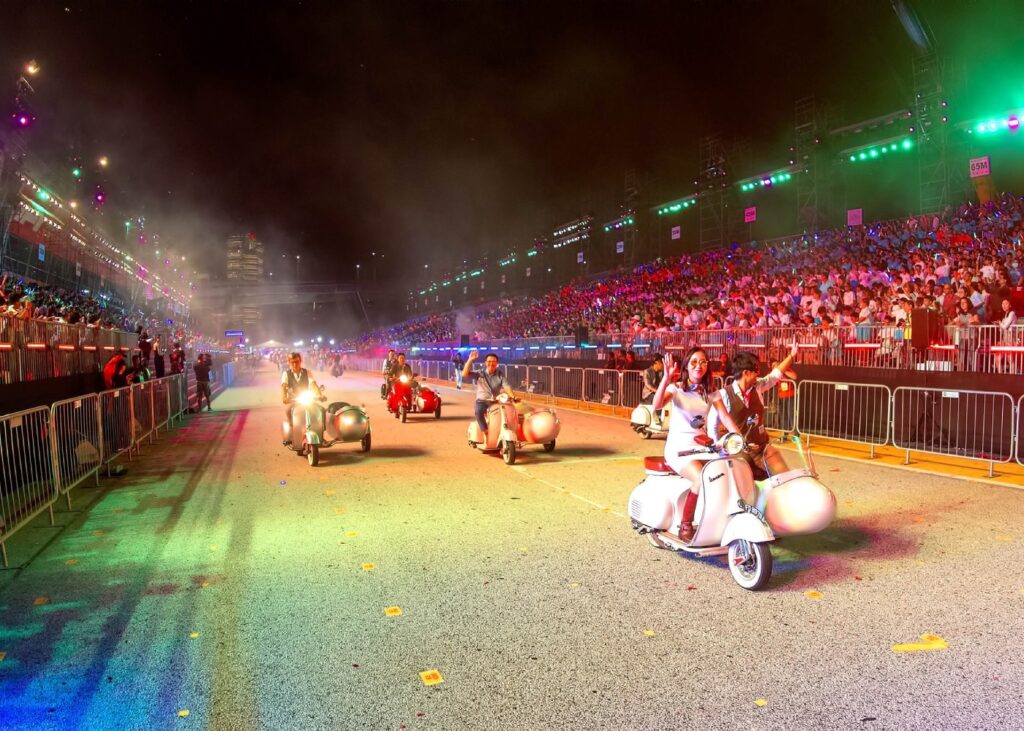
(928, 643)
(369, 566)
(431, 677)
(392, 611)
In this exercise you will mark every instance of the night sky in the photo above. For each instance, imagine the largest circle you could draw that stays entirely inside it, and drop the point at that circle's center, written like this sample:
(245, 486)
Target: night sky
(433, 132)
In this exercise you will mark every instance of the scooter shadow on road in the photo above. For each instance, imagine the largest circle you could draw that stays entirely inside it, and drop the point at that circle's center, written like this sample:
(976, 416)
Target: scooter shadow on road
(581, 452)
(826, 557)
(328, 457)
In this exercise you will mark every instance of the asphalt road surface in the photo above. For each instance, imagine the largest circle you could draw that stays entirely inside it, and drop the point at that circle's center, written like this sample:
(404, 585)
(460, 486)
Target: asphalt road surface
(223, 583)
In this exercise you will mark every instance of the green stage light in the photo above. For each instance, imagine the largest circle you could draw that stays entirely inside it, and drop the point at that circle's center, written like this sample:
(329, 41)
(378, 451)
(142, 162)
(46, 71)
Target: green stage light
(907, 144)
(853, 158)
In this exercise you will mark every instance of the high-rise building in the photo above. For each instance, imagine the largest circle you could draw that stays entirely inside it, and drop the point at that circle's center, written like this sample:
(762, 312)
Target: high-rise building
(245, 264)
(245, 258)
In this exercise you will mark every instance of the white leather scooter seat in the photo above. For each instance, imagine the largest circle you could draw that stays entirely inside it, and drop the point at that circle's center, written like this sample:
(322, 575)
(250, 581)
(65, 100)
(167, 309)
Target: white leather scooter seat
(657, 466)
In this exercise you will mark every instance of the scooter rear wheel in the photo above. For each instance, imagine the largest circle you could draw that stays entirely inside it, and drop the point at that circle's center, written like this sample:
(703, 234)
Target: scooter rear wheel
(750, 564)
(313, 455)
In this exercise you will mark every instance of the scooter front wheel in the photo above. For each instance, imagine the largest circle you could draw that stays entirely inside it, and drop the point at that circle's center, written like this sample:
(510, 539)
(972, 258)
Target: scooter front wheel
(313, 455)
(508, 452)
(750, 564)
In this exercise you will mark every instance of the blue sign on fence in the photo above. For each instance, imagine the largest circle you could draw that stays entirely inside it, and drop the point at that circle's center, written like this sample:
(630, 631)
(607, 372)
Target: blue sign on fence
(234, 333)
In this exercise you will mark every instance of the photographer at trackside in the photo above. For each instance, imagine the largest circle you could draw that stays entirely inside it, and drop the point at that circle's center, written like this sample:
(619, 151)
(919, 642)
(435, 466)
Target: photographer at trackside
(489, 384)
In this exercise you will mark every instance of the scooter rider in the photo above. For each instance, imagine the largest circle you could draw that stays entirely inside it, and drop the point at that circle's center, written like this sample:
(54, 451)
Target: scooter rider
(652, 378)
(489, 384)
(293, 381)
(399, 368)
(743, 410)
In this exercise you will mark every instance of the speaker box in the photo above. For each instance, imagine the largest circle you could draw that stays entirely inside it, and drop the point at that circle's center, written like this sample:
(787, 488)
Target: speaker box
(463, 341)
(924, 328)
(582, 335)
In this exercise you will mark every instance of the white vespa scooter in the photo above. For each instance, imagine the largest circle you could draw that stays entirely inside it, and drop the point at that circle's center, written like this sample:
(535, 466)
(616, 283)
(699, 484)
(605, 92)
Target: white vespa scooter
(735, 514)
(507, 432)
(642, 420)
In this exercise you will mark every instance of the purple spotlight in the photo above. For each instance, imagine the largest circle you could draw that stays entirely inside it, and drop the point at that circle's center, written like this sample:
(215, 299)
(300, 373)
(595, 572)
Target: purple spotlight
(1013, 123)
(766, 182)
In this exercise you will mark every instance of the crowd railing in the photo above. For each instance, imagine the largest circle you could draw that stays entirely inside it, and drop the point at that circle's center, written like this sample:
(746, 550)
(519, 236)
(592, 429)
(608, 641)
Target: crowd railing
(976, 425)
(36, 349)
(47, 451)
(972, 348)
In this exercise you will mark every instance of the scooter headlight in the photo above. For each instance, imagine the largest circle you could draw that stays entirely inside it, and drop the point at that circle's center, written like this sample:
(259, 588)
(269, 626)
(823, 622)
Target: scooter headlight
(305, 398)
(503, 398)
(733, 444)
(403, 378)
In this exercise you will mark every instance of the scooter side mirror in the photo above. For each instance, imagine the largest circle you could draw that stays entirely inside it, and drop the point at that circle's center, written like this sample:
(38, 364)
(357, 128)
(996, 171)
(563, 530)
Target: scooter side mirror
(703, 440)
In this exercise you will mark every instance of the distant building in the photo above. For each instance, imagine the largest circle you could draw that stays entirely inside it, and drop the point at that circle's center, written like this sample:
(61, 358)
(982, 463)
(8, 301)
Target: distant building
(244, 264)
(245, 258)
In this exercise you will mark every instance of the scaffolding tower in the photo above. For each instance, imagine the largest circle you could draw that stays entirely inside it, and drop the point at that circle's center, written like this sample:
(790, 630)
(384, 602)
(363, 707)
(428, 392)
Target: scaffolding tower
(809, 128)
(930, 107)
(713, 184)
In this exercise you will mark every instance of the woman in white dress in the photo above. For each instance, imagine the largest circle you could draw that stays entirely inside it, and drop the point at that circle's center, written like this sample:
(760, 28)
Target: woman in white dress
(691, 401)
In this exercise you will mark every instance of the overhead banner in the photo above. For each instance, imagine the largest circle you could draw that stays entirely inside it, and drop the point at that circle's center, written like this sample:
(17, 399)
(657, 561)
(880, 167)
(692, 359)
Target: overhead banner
(579, 257)
(78, 268)
(980, 167)
(677, 232)
(620, 246)
(42, 252)
(750, 214)
(855, 217)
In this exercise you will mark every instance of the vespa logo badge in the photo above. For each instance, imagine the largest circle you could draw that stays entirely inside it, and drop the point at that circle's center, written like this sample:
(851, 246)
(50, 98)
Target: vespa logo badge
(750, 509)
(719, 476)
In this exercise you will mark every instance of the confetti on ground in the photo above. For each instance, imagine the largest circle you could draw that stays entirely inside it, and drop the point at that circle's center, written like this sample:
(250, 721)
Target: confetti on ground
(918, 518)
(204, 585)
(71, 561)
(691, 588)
(183, 712)
(928, 642)
(352, 534)
(813, 594)
(576, 585)
(214, 547)
(328, 493)
(431, 677)
(606, 510)
(194, 635)
(524, 549)
(340, 511)
(282, 482)
(40, 601)
(1004, 539)
(98, 532)
(649, 632)
(392, 611)
(761, 701)
(369, 566)
(857, 578)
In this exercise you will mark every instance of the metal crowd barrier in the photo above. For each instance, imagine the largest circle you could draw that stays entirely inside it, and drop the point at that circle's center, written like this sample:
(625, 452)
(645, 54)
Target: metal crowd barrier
(78, 441)
(48, 451)
(567, 383)
(1018, 431)
(602, 386)
(27, 482)
(118, 424)
(969, 424)
(632, 388)
(779, 405)
(852, 412)
(142, 408)
(539, 380)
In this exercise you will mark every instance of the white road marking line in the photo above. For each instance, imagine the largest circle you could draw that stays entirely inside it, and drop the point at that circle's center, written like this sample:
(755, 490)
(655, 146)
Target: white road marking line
(523, 471)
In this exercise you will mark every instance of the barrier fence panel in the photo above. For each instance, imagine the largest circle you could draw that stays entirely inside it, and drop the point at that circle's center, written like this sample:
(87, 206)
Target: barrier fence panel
(161, 402)
(78, 441)
(779, 406)
(567, 383)
(1019, 430)
(538, 380)
(632, 388)
(142, 403)
(518, 376)
(972, 424)
(177, 396)
(853, 412)
(602, 386)
(27, 483)
(118, 423)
